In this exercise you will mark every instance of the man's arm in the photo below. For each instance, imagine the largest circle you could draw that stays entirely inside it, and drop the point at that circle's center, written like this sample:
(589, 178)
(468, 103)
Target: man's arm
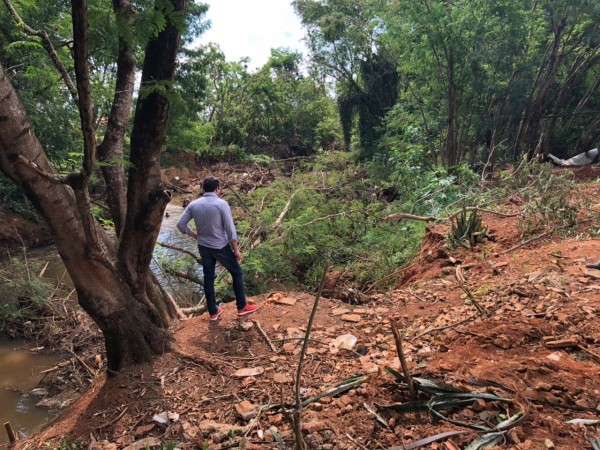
(182, 224)
(230, 230)
(236, 250)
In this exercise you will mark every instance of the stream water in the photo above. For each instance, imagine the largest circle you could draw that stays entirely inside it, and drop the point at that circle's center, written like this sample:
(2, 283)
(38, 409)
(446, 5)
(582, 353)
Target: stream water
(20, 368)
(19, 374)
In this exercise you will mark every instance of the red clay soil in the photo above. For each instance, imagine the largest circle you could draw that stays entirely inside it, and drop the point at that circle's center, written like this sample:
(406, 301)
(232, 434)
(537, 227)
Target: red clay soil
(520, 322)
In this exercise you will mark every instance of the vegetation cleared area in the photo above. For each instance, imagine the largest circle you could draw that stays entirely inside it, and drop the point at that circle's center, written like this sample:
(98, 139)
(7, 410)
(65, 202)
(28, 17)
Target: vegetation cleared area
(420, 263)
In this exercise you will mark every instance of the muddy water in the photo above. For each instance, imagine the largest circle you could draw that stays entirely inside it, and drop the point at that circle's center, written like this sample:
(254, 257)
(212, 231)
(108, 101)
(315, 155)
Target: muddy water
(19, 374)
(186, 293)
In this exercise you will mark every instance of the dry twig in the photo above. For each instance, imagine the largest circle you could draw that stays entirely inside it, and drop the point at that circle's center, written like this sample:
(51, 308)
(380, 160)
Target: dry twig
(264, 335)
(297, 415)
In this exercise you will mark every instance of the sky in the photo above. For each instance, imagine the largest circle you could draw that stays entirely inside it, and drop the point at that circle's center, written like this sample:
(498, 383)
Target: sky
(252, 27)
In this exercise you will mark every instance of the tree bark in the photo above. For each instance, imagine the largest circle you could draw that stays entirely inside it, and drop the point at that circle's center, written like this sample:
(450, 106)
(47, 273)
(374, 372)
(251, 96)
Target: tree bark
(528, 134)
(110, 151)
(146, 195)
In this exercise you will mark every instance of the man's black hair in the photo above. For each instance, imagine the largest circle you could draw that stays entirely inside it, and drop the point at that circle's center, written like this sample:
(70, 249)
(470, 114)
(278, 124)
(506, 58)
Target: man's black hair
(210, 184)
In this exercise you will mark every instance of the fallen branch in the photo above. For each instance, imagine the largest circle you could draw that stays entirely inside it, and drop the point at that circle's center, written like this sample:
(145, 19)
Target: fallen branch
(445, 327)
(83, 363)
(318, 219)
(51, 369)
(462, 283)
(409, 217)
(528, 241)
(285, 210)
(176, 188)
(199, 309)
(264, 335)
(237, 196)
(10, 432)
(277, 223)
(535, 238)
(482, 210)
(186, 276)
(113, 420)
(355, 442)
(297, 414)
(589, 352)
(178, 310)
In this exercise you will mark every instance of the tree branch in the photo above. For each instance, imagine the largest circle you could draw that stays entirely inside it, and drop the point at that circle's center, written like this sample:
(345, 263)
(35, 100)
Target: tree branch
(182, 250)
(409, 217)
(111, 148)
(297, 416)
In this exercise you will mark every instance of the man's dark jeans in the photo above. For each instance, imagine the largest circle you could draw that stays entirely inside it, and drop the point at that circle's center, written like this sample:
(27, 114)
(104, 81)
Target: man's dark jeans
(225, 256)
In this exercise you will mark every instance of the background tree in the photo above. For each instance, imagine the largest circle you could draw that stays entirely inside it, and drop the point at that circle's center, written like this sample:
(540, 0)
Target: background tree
(111, 276)
(343, 40)
(467, 80)
(277, 110)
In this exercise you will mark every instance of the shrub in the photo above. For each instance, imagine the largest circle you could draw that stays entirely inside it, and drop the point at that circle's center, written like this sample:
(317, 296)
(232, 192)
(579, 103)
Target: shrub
(332, 213)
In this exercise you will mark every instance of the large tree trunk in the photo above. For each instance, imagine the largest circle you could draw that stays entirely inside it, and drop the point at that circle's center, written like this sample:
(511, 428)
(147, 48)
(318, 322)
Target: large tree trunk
(113, 280)
(133, 323)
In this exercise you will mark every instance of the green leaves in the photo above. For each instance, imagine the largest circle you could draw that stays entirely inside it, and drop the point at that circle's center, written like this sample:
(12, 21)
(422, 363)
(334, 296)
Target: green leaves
(330, 213)
(444, 397)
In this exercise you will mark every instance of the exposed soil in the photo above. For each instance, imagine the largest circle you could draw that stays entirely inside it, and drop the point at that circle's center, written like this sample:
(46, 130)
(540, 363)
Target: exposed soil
(16, 231)
(520, 322)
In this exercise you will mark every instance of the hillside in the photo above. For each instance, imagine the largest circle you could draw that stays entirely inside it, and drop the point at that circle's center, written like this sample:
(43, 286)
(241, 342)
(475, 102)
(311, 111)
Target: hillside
(519, 322)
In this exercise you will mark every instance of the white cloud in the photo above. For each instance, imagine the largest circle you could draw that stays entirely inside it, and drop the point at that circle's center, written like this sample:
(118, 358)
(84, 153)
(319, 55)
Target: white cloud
(250, 28)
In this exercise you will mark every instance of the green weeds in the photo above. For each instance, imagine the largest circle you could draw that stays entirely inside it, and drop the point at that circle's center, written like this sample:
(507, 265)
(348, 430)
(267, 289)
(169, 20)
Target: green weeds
(25, 297)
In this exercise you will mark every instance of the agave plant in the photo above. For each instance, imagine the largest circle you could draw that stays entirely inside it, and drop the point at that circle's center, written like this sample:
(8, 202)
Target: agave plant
(467, 228)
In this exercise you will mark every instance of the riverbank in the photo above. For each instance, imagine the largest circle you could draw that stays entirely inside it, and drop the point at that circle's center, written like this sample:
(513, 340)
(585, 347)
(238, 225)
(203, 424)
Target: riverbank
(519, 322)
(17, 232)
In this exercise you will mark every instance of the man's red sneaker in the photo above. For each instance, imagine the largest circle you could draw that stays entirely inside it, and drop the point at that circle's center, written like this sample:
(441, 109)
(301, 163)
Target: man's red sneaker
(248, 309)
(216, 315)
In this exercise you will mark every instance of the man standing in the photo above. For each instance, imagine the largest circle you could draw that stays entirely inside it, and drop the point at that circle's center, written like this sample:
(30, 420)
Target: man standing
(217, 241)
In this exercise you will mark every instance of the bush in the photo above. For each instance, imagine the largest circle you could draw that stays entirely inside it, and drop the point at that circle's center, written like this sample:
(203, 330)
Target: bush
(547, 196)
(221, 153)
